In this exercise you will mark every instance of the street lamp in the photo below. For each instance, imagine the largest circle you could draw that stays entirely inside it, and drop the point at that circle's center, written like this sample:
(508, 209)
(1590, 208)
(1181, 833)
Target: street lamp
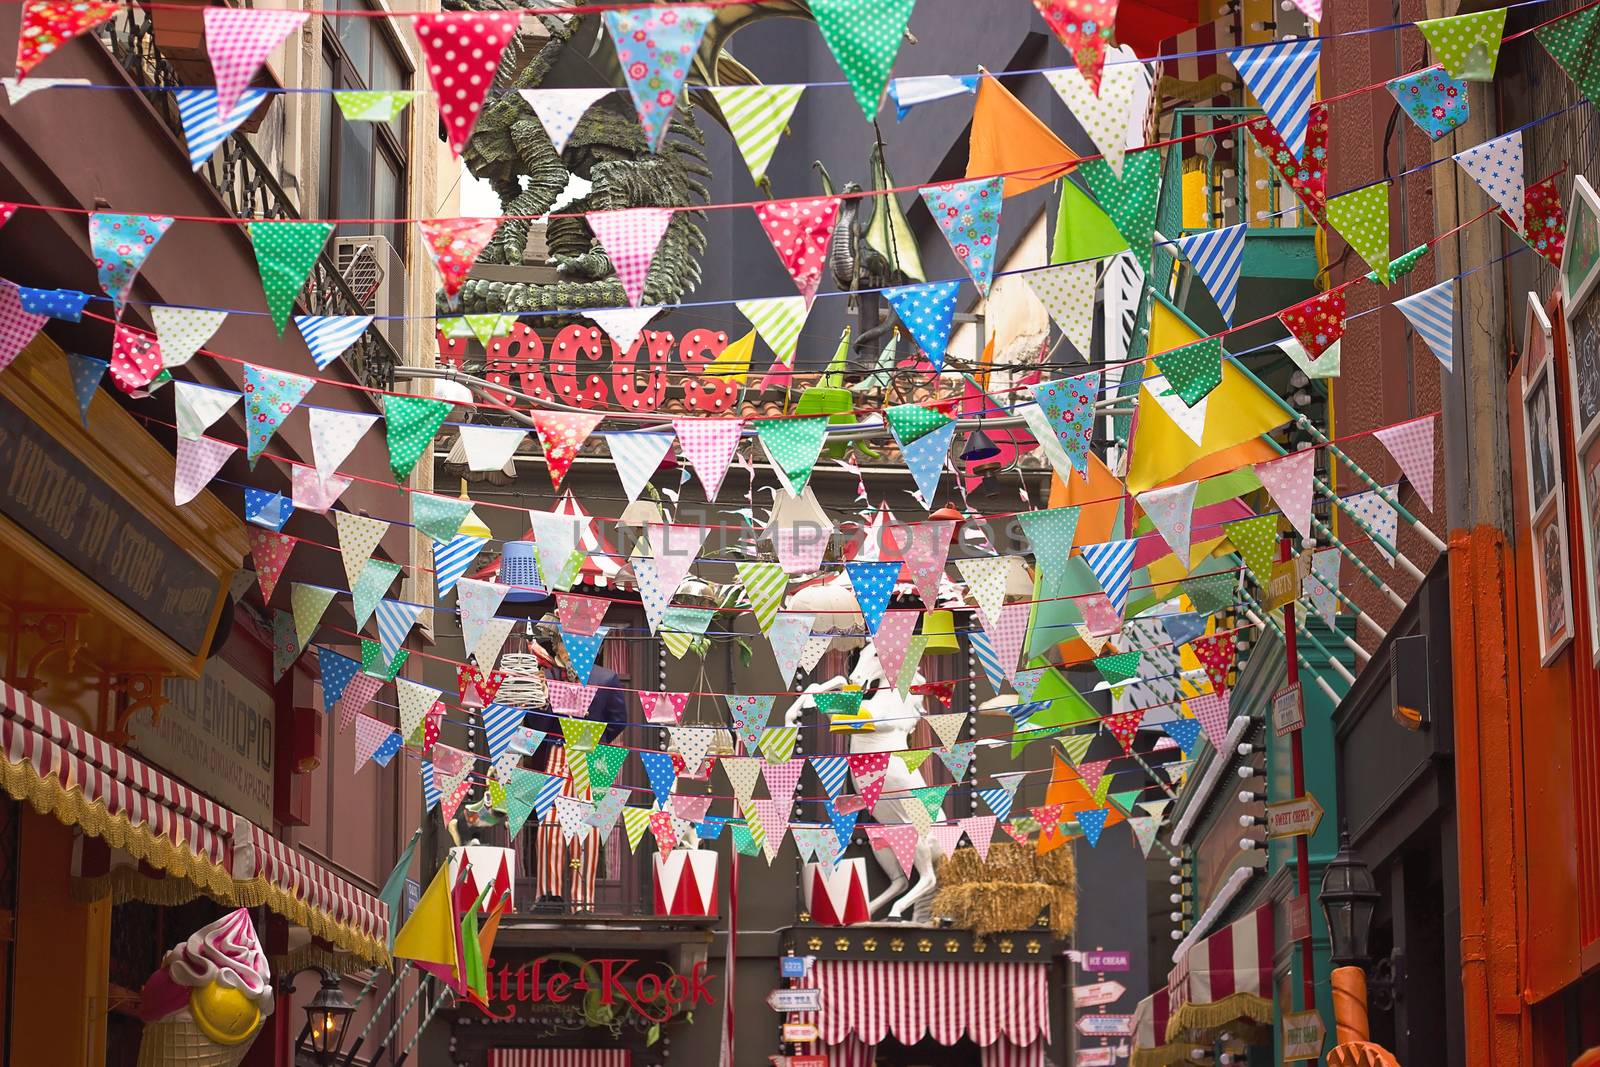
(327, 1019)
(1348, 901)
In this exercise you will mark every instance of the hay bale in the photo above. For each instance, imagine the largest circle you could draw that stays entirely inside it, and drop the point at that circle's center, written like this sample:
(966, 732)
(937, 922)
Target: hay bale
(1009, 892)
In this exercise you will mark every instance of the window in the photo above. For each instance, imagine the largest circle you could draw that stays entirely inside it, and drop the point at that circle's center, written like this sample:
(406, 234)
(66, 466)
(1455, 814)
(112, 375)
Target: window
(363, 164)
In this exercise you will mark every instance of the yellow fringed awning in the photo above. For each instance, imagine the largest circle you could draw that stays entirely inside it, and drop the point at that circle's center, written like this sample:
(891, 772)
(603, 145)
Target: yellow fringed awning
(1220, 1013)
(1224, 978)
(200, 846)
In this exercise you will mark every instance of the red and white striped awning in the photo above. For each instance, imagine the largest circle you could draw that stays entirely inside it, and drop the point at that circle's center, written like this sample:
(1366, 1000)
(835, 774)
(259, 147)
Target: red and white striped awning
(87, 782)
(1227, 976)
(558, 1057)
(985, 1001)
(1150, 1048)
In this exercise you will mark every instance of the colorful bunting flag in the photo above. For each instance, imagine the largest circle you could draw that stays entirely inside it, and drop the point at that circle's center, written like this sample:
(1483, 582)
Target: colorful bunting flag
(453, 246)
(800, 230)
(757, 116)
(1305, 172)
(1068, 404)
(1317, 323)
(637, 456)
(1085, 28)
(1282, 76)
(1051, 533)
(1216, 256)
(1436, 102)
(238, 42)
(1129, 199)
(269, 396)
(1112, 564)
(656, 49)
(1103, 111)
(1411, 445)
(1067, 293)
(285, 253)
(1171, 511)
(86, 373)
(560, 110)
(1288, 481)
(1193, 370)
(358, 105)
(411, 422)
(330, 336)
(462, 52)
(1432, 313)
(1496, 165)
(49, 24)
(1257, 543)
(1569, 40)
(197, 462)
(864, 37)
(968, 214)
(203, 122)
(561, 434)
(925, 459)
(1216, 654)
(1467, 45)
(792, 445)
(120, 244)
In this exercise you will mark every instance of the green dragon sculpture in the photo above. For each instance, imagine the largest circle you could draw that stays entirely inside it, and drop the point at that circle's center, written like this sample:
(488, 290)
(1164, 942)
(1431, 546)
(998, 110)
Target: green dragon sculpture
(511, 151)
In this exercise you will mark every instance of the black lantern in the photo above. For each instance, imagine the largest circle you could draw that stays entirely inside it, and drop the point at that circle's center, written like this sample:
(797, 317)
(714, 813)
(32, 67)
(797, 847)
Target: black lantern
(1348, 900)
(979, 447)
(327, 1019)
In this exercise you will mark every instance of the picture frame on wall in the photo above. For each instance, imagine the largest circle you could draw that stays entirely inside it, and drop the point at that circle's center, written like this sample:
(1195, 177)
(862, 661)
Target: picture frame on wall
(1580, 260)
(1547, 504)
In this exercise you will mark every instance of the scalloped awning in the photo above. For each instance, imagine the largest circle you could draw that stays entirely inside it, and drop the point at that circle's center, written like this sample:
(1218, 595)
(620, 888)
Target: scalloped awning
(986, 1001)
(65, 771)
(1226, 977)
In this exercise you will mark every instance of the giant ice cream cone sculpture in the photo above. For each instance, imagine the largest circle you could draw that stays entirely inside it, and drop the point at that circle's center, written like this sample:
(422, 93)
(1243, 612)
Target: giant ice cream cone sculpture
(206, 1003)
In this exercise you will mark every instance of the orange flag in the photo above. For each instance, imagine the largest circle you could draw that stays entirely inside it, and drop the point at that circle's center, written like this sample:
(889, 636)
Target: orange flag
(1098, 498)
(1067, 789)
(1008, 138)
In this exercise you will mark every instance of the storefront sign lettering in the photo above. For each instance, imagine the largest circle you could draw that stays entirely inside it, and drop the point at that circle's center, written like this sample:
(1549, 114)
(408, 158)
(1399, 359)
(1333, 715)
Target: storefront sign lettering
(1100, 960)
(1303, 1035)
(654, 990)
(1105, 1025)
(1293, 818)
(1288, 713)
(72, 511)
(1098, 993)
(1096, 1057)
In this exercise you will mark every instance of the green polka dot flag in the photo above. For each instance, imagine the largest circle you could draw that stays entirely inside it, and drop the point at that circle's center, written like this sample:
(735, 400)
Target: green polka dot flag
(1467, 45)
(1257, 542)
(411, 422)
(1193, 370)
(910, 421)
(793, 446)
(1568, 42)
(285, 254)
(1362, 219)
(1130, 200)
(864, 36)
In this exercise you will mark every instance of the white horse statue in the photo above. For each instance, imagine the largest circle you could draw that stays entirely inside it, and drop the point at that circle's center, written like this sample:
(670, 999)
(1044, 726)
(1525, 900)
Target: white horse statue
(892, 718)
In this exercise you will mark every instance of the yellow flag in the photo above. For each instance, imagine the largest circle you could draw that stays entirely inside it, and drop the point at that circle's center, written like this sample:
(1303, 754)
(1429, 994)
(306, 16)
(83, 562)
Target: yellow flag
(1238, 412)
(429, 936)
(734, 362)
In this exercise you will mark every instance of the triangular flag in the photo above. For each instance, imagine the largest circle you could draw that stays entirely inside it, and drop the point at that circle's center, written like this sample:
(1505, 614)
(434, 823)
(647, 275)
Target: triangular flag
(907, 93)
(183, 330)
(1193, 370)
(1282, 76)
(1211, 709)
(673, 550)
(742, 772)
(358, 540)
(1067, 293)
(1257, 543)
(196, 407)
(363, 106)
(787, 635)
(908, 422)
(1186, 732)
(1216, 256)
(1119, 667)
(269, 553)
(439, 517)
(1317, 323)
(925, 458)
(461, 50)
(968, 214)
(1144, 827)
(560, 110)
(1467, 45)
(307, 603)
(778, 320)
(285, 253)
(395, 619)
(873, 583)
(792, 445)
(1102, 110)
(656, 49)
(452, 558)
(1009, 139)
(269, 396)
(135, 358)
(582, 651)
(266, 508)
(204, 126)
(629, 237)
(1085, 28)
(623, 325)
(1378, 517)
(782, 779)
(1569, 39)
(1432, 313)
(800, 229)
(334, 434)
(410, 423)
(561, 434)
(1004, 640)
(1171, 511)
(1411, 445)
(1496, 165)
(476, 602)
(1129, 200)
(765, 584)
(926, 311)
(1092, 821)
(579, 735)
(1436, 102)
(49, 24)
(757, 116)
(1289, 482)
(1068, 404)
(64, 304)
(330, 336)
(1124, 726)
(429, 934)
(1305, 172)
(1083, 231)
(925, 546)
(864, 37)
(1211, 592)
(197, 463)
(1051, 533)
(708, 445)
(637, 456)
(986, 578)
(120, 244)
(238, 42)
(453, 245)
(1362, 219)
(1112, 564)
(87, 373)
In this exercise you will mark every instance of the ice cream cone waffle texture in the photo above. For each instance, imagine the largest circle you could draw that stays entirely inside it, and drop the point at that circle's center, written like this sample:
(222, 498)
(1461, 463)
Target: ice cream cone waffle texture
(178, 1041)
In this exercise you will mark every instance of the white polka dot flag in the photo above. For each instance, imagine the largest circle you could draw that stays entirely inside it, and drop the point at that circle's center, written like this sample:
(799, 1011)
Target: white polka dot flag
(238, 40)
(198, 406)
(1467, 45)
(183, 330)
(864, 37)
(1171, 511)
(1103, 115)
(1496, 166)
(560, 110)
(462, 50)
(799, 231)
(1411, 445)
(1288, 480)
(630, 237)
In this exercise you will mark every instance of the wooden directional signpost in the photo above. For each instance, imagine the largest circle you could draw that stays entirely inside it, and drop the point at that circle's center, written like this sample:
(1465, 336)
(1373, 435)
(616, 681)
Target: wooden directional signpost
(1105, 1025)
(1097, 993)
(1299, 817)
(1303, 1036)
(793, 1000)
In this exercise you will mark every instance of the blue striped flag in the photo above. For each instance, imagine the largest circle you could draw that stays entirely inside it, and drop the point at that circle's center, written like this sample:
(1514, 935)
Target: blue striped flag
(1282, 76)
(831, 771)
(430, 788)
(999, 800)
(328, 336)
(1112, 564)
(204, 128)
(452, 558)
(983, 648)
(549, 789)
(395, 619)
(500, 725)
(1215, 256)
(1432, 313)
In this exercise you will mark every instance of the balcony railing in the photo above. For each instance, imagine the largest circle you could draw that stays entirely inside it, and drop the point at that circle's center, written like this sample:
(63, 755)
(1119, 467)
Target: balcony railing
(247, 186)
(1221, 180)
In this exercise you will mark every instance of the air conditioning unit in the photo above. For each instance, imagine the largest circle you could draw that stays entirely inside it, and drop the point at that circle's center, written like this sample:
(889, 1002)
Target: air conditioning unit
(376, 274)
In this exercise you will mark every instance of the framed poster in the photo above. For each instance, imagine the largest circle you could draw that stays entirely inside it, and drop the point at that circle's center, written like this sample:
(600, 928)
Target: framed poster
(1580, 262)
(1547, 504)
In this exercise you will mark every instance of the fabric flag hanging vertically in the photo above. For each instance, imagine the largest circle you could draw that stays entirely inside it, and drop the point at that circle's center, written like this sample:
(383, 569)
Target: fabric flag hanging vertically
(708, 445)
(1009, 139)
(410, 423)
(438, 517)
(358, 105)
(196, 407)
(135, 358)
(1289, 481)
(799, 230)
(1102, 110)
(864, 37)
(1130, 199)
(1432, 313)
(1362, 219)
(489, 448)
(369, 587)
(452, 558)
(204, 126)
(986, 578)
(623, 325)
(1467, 45)
(968, 214)
(238, 42)
(1193, 370)
(330, 336)
(1257, 543)
(1051, 533)
(334, 434)
(1378, 516)
(656, 49)
(1544, 222)
(778, 320)
(925, 546)
(285, 253)
(629, 237)
(1069, 405)
(561, 434)
(87, 373)
(269, 396)
(757, 116)
(1085, 28)
(1569, 40)
(1411, 445)
(395, 619)
(637, 456)
(792, 446)
(1282, 76)
(1216, 654)
(197, 463)
(462, 52)
(926, 311)
(453, 246)
(1171, 511)
(1496, 165)
(765, 584)
(1436, 102)
(183, 330)
(925, 458)
(873, 583)
(120, 244)
(48, 24)
(560, 110)
(1067, 293)
(907, 93)
(1215, 256)
(1112, 565)
(1305, 172)
(788, 634)
(1317, 323)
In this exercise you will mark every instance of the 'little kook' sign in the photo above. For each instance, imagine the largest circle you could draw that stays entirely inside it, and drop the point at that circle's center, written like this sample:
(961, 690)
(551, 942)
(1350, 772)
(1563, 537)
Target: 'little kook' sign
(595, 987)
